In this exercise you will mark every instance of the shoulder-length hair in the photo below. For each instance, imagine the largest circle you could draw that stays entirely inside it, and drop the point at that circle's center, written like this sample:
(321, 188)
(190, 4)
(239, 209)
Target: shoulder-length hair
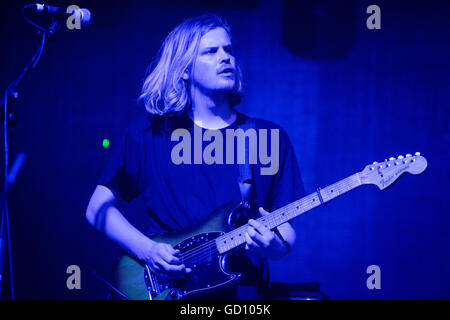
(164, 90)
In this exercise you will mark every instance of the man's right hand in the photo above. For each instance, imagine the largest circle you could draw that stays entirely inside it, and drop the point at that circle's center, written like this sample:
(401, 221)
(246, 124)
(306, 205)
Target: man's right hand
(104, 215)
(162, 258)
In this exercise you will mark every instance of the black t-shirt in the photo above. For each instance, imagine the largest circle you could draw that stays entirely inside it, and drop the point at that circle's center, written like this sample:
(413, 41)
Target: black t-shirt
(178, 196)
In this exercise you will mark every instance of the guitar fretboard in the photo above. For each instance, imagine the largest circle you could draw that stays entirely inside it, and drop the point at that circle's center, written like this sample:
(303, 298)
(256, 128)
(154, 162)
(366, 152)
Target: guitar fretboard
(236, 238)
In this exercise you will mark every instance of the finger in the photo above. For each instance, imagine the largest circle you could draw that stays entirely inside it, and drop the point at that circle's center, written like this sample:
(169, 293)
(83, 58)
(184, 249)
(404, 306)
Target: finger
(256, 225)
(263, 230)
(169, 257)
(174, 273)
(171, 250)
(252, 232)
(250, 244)
(175, 258)
(261, 240)
(154, 266)
(171, 269)
(263, 212)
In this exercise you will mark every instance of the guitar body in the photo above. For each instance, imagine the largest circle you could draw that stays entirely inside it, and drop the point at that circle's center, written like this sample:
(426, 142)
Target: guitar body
(137, 281)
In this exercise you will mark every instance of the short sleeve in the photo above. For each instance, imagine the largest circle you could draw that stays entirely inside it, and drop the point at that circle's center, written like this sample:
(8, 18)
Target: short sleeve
(121, 175)
(288, 184)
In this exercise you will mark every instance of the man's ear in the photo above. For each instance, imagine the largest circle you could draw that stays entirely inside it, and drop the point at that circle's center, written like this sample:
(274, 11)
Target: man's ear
(185, 75)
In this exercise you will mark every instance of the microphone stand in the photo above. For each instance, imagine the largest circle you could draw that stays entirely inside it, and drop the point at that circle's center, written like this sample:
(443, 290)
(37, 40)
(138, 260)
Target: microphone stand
(9, 118)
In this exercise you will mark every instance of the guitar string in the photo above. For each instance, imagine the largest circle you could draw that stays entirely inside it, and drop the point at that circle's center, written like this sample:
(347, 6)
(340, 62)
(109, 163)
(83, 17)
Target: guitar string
(195, 251)
(204, 257)
(205, 250)
(210, 248)
(205, 253)
(207, 246)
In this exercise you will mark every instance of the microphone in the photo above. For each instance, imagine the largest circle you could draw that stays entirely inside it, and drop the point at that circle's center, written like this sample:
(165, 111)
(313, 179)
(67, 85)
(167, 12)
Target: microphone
(83, 15)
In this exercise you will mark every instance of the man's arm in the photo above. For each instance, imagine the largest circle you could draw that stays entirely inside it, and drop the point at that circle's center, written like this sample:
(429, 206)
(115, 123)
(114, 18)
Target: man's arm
(104, 216)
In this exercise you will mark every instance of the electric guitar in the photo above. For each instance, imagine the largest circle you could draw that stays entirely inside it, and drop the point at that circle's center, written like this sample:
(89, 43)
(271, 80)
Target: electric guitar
(206, 248)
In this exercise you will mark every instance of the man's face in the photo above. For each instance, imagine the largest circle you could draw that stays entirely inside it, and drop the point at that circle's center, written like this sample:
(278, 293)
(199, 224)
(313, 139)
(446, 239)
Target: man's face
(214, 66)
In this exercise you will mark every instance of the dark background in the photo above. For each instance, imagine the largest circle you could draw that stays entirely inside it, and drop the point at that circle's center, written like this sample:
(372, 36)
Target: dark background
(346, 95)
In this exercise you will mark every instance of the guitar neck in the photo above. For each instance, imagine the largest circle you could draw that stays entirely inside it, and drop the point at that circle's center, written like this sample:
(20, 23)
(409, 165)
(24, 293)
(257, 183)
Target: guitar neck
(236, 238)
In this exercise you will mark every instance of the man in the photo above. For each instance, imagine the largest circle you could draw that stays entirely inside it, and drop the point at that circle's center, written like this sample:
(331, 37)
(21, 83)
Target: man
(195, 85)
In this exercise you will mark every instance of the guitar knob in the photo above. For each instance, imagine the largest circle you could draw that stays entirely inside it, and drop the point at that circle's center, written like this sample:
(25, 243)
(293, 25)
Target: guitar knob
(175, 294)
(417, 154)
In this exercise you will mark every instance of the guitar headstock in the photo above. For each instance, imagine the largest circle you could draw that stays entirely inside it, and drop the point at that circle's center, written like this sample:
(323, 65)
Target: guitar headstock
(385, 173)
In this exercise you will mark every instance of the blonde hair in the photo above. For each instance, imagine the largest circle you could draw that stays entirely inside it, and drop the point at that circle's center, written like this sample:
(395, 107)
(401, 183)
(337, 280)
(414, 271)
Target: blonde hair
(164, 90)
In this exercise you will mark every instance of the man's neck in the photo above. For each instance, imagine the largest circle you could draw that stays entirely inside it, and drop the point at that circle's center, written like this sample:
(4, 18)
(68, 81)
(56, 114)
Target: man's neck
(212, 113)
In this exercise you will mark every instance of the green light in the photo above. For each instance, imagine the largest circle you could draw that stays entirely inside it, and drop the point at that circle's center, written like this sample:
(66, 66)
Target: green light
(105, 143)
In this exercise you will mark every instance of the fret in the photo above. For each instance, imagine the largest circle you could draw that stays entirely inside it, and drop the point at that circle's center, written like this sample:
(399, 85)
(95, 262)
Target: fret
(231, 240)
(340, 187)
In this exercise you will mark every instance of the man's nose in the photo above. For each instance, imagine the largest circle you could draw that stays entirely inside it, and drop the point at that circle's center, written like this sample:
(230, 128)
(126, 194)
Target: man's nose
(224, 56)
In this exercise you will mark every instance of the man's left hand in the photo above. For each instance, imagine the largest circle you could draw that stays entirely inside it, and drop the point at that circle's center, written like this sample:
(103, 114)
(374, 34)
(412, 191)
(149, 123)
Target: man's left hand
(262, 241)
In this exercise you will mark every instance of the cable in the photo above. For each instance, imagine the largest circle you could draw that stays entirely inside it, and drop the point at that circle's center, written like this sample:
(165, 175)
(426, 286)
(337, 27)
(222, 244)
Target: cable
(31, 22)
(5, 227)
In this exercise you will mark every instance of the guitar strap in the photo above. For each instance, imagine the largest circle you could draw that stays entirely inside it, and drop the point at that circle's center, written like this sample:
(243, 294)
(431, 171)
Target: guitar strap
(245, 179)
(248, 194)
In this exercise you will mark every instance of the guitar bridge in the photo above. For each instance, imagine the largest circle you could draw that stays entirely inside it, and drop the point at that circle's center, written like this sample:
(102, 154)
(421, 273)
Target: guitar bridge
(151, 283)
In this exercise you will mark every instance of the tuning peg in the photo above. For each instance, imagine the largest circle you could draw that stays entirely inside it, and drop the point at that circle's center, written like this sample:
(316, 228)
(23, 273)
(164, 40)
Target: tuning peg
(374, 162)
(400, 157)
(408, 155)
(417, 154)
(391, 158)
